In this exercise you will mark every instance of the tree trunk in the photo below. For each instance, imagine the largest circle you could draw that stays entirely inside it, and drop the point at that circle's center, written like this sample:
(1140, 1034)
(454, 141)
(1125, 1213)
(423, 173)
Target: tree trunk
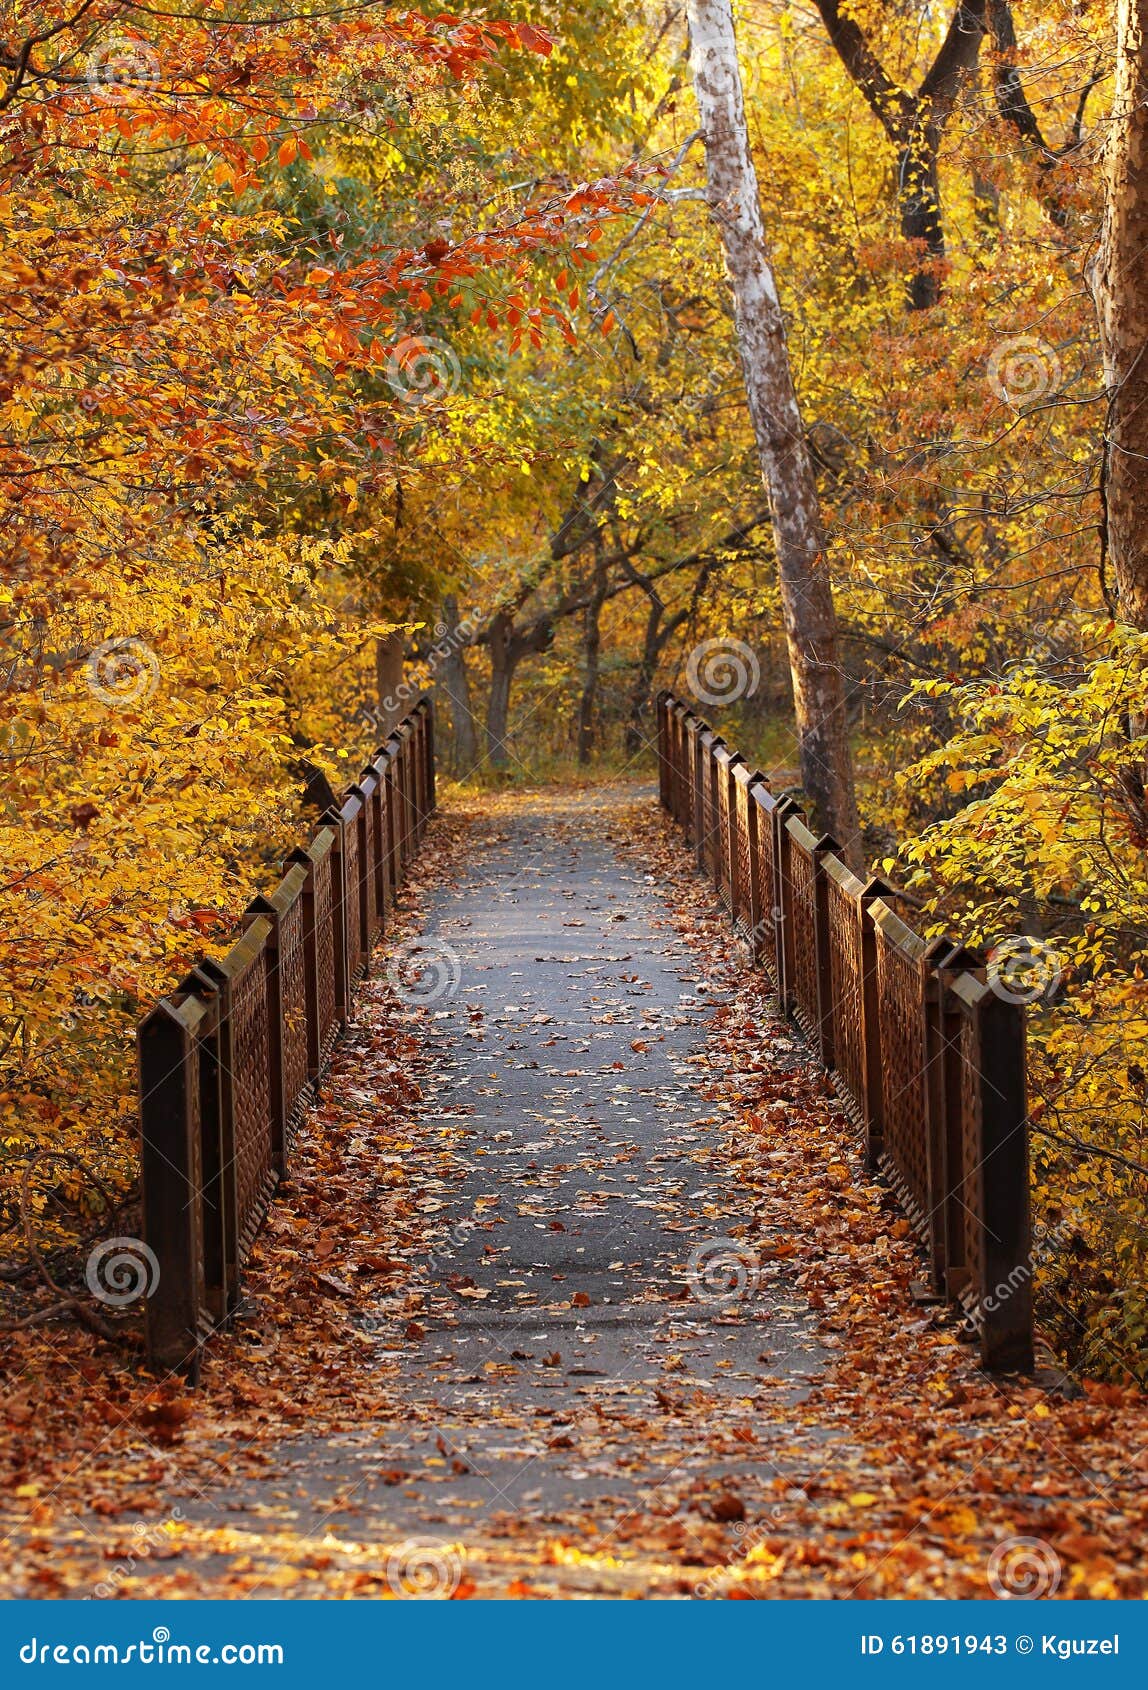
(987, 210)
(501, 674)
(508, 646)
(806, 591)
(389, 654)
(456, 685)
(644, 679)
(591, 652)
(919, 192)
(1120, 286)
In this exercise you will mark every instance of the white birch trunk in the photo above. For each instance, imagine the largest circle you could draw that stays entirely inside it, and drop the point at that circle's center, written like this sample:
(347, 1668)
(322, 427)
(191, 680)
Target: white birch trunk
(1120, 287)
(786, 469)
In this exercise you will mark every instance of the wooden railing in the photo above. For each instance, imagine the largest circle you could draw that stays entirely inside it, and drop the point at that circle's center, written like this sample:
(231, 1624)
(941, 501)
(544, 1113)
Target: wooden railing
(229, 1062)
(926, 1057)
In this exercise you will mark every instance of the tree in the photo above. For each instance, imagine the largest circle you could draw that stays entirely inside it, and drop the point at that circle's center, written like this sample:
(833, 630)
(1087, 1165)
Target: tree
(456, 688)
(786, 467)
(208, 357)
(914, 123)
(1016, 109)
(1120, 287)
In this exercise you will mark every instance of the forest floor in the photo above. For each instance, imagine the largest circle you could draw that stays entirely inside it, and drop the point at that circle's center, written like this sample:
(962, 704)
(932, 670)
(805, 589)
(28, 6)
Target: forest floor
(578, 1287)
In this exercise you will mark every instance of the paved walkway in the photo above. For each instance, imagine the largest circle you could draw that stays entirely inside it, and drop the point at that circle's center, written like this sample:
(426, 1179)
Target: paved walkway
(579, 1287)
(597, 1317)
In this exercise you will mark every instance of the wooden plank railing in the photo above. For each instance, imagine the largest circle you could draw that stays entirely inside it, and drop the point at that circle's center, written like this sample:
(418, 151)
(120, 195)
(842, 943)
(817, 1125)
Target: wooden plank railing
(230, 1060)
(927, 1060)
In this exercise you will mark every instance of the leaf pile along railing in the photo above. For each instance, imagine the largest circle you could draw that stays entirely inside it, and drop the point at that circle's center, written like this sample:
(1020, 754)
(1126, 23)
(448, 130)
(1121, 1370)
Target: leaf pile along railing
(229, 1062)
(927, 1059)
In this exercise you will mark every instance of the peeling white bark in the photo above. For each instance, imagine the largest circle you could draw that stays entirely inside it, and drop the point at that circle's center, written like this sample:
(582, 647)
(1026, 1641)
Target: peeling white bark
(786, 469)
(1120, 287)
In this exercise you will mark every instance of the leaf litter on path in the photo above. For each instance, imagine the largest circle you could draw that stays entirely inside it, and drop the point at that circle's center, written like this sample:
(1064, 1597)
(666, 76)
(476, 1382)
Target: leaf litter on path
(639, 1325)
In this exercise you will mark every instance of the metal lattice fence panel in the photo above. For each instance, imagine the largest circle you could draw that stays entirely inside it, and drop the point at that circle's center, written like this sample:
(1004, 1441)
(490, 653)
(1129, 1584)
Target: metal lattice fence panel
(352, 889)
(708, 836)
(327, 990)
(370, 908)
(847, 985)
(901, 1023)
(252, 1125)
(802, 916)
(745, 896)
(768, 926)
(292, 975)
(722, 762)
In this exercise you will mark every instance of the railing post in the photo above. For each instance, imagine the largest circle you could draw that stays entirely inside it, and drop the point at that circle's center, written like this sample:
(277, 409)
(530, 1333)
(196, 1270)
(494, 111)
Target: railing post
(217, 1126)
(176, 1310)
(1002, 1183)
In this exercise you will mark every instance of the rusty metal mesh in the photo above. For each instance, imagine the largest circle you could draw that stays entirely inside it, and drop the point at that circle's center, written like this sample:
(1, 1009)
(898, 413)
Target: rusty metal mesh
(846, 968)
(251, 1095)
